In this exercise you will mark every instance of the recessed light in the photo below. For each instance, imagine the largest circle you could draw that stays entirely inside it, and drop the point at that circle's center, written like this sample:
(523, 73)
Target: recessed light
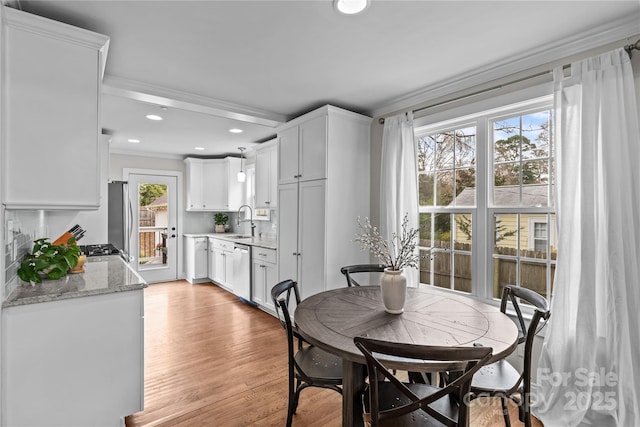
(134, 141)
(153, 117)
(350, 7)
(235, 130)
(199, 148)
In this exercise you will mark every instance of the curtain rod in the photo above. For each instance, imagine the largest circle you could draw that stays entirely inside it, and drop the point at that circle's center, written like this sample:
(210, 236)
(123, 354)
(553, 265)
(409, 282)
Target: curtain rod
(478, 92)
(628, 48)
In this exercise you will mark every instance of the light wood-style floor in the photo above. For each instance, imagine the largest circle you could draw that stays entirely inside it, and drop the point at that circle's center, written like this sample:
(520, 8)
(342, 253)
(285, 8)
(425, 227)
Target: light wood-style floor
(211, 360)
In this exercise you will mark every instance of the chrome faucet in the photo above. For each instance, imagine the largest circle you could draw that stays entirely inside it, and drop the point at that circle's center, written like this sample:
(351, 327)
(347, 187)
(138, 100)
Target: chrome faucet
(253, 226)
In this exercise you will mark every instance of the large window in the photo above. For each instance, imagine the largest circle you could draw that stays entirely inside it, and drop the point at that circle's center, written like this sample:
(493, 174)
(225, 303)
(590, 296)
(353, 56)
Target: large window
(485, 187)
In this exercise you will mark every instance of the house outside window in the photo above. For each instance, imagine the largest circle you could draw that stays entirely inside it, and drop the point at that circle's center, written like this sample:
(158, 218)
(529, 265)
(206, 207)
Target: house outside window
(486, 207)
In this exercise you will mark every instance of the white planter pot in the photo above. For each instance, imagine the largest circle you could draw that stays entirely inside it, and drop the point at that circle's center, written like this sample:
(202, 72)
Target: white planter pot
(393, 288)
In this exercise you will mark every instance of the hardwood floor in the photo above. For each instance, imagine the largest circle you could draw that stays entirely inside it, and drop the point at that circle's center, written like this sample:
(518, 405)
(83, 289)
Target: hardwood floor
(211, 360)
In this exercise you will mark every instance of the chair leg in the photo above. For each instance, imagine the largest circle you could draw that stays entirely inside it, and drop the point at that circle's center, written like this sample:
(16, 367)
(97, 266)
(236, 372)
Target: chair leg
(296, 398)
(505, 412)
(290, 406)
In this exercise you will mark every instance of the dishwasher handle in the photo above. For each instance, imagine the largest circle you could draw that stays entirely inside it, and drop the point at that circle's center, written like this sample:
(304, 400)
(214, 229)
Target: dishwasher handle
(243, 249)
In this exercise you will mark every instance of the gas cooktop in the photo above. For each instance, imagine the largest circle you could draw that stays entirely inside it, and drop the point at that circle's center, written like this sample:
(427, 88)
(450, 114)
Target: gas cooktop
(99, 250)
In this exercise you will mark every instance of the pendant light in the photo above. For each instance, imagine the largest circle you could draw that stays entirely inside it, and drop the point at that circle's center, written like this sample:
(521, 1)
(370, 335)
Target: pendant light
(241, 175)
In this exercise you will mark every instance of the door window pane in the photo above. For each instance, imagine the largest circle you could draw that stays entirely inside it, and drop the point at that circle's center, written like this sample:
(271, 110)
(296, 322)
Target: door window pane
(152, 224)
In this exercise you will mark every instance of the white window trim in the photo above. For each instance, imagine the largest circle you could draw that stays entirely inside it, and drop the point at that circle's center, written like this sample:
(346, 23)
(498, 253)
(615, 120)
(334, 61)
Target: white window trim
(481, 114)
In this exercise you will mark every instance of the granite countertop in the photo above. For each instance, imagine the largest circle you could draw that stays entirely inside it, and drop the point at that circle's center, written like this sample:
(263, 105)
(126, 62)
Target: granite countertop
(263, 242)
(103, 275)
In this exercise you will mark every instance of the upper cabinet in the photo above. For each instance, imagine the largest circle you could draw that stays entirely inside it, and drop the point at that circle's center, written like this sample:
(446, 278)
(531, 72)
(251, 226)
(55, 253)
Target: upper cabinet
(302, 153)
(212, 184)
(51, 92)
(267, 175)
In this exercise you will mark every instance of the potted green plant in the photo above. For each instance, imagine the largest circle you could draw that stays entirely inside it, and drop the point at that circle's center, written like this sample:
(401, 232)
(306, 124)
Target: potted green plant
(220, 220)
(49, 260)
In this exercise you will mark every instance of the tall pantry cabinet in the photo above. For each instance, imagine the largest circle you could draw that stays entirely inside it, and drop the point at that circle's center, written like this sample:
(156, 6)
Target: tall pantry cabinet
(323, 186)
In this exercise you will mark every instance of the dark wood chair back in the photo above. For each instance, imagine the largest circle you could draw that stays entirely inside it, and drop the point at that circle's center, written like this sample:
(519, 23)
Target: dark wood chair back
(420, 397)
(359, 268)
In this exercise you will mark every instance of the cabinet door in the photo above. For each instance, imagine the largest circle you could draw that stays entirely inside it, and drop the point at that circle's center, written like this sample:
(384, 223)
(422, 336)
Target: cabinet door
(201, 258)
(215, 185)
(312, 149)
(211, 260)
(288, 156)
(311, 237)
(52, 94)
(194, 184)
(228, 270)
(263, 165)
(288, 232)
(259, 283)
(219, 266)
(273, 177)
(271, 279)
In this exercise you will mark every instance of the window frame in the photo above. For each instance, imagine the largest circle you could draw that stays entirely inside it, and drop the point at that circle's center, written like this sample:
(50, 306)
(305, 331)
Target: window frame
(481, 115)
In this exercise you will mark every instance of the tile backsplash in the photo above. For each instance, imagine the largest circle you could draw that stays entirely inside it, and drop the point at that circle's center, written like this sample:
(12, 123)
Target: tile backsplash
(18, 242)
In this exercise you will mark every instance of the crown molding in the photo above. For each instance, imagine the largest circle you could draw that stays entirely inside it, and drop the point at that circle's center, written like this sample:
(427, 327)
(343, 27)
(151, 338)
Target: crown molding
(558, 50)
(153, 94)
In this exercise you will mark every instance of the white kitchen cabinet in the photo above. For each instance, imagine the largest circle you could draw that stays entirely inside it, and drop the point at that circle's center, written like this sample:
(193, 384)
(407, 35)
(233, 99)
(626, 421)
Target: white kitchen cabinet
(212, 184)
(211, 260)
(76, 361)
(264, 276)
(318, 217)
(223, 260)
(267, 175)
(196, 259)
(51, 89)
(302, 151)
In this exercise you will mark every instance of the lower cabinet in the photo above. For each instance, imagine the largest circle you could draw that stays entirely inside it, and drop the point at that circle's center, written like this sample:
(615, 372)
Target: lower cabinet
(223, 263)
(77, 361)
(196, 253)
(264, 276)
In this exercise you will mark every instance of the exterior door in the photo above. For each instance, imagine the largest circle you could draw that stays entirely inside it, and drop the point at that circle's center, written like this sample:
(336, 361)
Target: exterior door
(154, 248)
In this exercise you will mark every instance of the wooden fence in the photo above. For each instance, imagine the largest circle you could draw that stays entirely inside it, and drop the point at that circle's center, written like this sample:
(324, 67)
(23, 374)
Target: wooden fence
(505, 270)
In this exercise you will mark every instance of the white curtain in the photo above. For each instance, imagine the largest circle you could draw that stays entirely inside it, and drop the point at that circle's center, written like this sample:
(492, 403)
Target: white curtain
(589, 370)
(399, 180)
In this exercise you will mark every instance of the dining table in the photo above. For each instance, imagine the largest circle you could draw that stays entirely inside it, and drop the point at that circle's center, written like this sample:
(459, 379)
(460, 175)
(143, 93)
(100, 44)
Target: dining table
(330, 320)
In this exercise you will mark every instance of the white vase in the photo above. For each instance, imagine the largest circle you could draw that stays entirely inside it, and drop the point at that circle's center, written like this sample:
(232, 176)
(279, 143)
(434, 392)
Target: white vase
(393, 288)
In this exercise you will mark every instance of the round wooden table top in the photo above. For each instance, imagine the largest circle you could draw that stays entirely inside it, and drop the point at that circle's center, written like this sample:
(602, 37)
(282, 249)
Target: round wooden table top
(331, 319)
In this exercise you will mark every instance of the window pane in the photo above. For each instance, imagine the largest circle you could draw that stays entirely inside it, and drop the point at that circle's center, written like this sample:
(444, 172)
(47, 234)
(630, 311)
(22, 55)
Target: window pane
(535, 172)
(462, 238)
(426, 154)
(533, 275)
(444, 188)
(442, 231)
(462, 272)
(505, 272)
(466, 147)
(465, 187)
(506, 174)
(425, 230)
(425, 189)
(506, 234)
(535, 130)
(444, 146)
(535, 195)
(442, 269)
(425, 267)
(506, 137)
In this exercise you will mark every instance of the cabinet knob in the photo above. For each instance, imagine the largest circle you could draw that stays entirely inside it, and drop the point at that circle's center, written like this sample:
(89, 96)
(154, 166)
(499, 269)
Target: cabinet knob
(266, 203)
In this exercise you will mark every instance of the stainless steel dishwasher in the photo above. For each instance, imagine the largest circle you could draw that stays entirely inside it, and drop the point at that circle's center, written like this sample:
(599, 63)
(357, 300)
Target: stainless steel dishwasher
(242, 271)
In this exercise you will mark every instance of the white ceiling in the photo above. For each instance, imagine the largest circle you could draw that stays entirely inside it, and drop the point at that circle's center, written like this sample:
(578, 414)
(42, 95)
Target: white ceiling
(255, 64)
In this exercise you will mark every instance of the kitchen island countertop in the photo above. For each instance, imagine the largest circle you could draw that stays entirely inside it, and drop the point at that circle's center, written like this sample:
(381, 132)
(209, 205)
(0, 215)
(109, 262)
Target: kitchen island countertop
(263, 242)
(103, 275)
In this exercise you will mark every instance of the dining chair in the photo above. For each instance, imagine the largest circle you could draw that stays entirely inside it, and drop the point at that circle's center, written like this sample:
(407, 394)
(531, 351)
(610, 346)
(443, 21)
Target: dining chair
(392, 402)
(359, 268)
(502, 379)
(309, 366)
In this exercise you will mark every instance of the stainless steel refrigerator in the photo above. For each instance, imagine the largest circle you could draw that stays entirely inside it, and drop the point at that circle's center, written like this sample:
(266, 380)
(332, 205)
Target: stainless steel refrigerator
(119, 217)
